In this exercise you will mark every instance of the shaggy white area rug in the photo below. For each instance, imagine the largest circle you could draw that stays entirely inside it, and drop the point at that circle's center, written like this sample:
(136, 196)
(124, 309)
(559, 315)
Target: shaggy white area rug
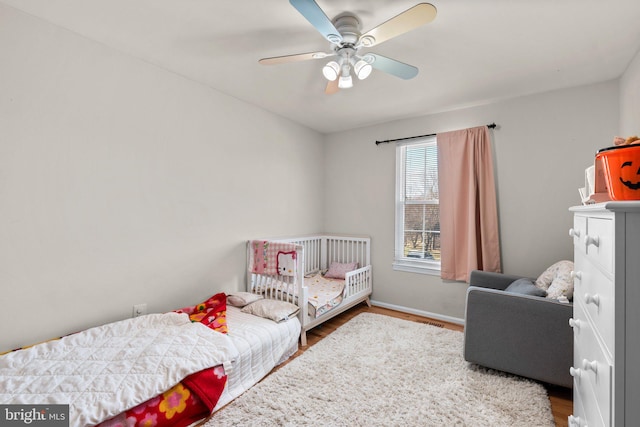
(377, 370)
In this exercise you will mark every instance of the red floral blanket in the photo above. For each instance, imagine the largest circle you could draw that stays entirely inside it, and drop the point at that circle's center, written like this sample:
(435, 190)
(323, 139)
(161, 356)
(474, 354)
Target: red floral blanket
(187, 402)
(195, 396)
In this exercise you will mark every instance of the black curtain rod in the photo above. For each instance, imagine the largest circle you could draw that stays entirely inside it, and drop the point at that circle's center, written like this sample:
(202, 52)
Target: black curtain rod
(490, 126)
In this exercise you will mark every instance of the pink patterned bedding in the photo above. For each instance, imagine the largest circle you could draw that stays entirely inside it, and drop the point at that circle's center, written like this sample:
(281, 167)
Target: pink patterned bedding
(273, 258)
(324, 294)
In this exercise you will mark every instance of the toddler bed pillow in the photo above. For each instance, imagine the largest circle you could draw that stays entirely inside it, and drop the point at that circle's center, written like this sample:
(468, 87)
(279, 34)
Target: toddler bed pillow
(338, 270)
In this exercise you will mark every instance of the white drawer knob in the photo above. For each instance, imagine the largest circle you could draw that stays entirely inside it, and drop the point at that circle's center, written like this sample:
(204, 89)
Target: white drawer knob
(592, 299)
(576, 275)
(590, 366)
(575, 372)
(591, 240)
(574, 323)
(574, 233)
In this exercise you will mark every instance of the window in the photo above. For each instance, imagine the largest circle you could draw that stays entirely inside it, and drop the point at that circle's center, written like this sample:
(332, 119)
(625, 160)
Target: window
(417, 207)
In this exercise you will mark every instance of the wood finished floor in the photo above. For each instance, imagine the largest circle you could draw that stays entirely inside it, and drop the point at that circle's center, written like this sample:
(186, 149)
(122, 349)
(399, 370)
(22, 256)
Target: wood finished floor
(561, 398)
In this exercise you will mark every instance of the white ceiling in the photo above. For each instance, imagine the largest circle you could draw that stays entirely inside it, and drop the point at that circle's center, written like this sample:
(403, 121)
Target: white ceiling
(475, 51)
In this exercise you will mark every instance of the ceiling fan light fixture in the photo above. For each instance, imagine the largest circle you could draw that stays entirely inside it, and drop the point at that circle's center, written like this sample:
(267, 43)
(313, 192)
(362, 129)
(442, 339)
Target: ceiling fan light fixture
(362, 69)
(345, 82)
(343, 31)
(331, 70)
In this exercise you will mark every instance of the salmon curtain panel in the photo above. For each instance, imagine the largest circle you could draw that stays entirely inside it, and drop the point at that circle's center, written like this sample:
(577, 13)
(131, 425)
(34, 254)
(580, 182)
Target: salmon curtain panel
(468, 206)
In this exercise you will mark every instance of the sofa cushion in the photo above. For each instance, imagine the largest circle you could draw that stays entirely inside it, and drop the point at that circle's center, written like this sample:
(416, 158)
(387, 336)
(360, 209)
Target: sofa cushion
(526, 287)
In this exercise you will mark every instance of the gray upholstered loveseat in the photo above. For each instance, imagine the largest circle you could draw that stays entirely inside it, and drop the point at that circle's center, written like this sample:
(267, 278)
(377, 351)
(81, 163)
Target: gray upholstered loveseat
(520, 334)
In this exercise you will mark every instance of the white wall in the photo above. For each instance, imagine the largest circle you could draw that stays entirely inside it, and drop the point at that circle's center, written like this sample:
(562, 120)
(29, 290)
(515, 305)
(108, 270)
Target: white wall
(630, 99)
(121, 183)
(542, 146)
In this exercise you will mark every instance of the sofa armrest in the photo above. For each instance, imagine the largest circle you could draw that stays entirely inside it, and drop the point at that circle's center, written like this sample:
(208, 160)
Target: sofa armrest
(487, 279)
(521, 334)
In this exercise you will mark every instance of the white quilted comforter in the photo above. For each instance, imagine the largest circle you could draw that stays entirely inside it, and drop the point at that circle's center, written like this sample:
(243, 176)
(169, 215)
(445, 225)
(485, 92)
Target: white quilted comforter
(105, 370)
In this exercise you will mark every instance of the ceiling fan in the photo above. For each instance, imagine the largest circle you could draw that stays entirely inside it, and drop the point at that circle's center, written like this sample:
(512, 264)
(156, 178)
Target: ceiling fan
(343, 32)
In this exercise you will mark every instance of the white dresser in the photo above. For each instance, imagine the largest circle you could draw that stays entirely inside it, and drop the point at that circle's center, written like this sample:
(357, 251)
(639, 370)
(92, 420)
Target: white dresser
(606, 315)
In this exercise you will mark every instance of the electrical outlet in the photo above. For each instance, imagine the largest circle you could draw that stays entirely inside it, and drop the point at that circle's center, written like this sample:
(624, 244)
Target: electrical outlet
(139, 310)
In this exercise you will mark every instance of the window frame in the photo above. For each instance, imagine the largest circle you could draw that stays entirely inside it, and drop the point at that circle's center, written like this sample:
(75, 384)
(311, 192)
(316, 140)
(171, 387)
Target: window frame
(402, 263)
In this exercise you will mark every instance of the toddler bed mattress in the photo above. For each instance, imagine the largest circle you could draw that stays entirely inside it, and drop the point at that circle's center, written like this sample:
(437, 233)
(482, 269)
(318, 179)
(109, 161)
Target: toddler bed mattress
(324, 294)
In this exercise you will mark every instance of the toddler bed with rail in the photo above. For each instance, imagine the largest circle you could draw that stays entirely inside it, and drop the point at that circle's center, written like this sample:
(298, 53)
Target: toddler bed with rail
(323, 275)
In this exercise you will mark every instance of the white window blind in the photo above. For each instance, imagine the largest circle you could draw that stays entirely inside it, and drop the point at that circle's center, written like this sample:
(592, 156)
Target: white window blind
(417, 207)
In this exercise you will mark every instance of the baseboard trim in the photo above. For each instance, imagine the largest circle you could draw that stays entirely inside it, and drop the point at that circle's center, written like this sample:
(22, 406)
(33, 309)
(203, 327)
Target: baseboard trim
(450, 319)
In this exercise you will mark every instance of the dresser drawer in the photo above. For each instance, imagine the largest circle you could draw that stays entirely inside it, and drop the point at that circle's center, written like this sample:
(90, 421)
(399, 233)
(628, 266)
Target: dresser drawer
(591, 371)
(598, 242)
(595, 292)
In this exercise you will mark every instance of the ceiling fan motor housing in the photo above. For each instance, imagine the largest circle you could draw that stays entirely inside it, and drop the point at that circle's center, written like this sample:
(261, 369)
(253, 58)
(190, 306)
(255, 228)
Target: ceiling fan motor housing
(348, 26)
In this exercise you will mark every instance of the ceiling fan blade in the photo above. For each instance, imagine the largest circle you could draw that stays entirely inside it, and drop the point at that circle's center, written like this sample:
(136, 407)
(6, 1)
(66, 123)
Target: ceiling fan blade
(391, 66)
(294, 58)
(408, 20)
(310, 10)
(332, 87)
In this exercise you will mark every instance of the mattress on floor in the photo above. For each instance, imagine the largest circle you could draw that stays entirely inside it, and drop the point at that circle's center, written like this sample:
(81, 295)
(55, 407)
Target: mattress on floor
(262, 345)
